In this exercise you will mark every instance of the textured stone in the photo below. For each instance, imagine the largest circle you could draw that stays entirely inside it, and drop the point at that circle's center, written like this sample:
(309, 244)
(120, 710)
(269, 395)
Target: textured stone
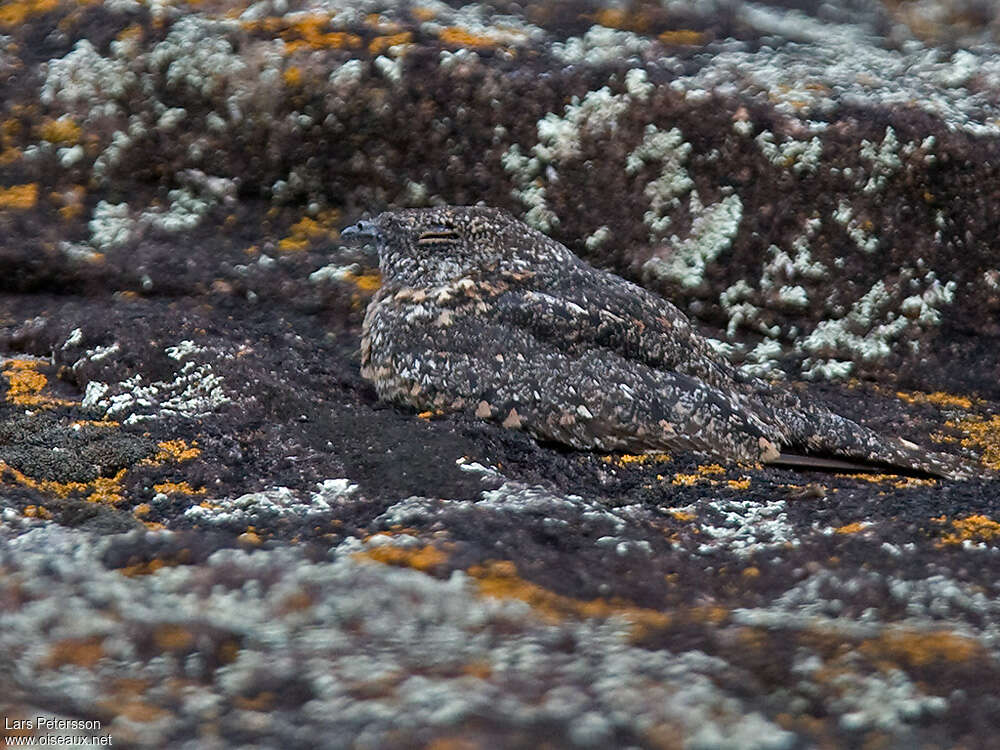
(213, 535)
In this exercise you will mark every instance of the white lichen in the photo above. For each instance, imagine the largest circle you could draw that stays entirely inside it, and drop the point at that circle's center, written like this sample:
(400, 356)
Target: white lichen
(802, 157)
(86, 83)
(596, 114)
(761, 361)
(884, 160)
(668, 148)
(196, 391)
(875, 322)
(391, 69)
(110, 226)
(793, 297)
(712, 232)
(559, 140)
(600, 45)
(638, 85)
(859, 232)
(598, 238)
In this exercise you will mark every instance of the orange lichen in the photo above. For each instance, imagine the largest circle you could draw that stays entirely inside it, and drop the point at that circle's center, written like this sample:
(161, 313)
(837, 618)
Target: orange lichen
(263, 701)
(70, 201)
(500, 580)
(682, 38)
(683, 515)
(366, 282)
(130, 33)
(19, 197)
(100, 490)
(17, 12)
(78, 652)
(297, 601)
(24, 382)
(71, 211)
(26, 385)
(107, 489)
(292, 76)
(146, 567)
(99, 423)
(454, 36)
(250, 537)
(975, 528)
(176, 450)
(422, 14)
(306, 230)
(739, 484)
(702, 472)
(380, 44)
(706, 469)
(612, 18)
(9, 155)
(625, 459)
(938, 398)
(481, 669)
(37, 511)
(332, 40)
(638, 21)
(180, 488)
(423, 558)
(914, 648)
(895, 479)
(308, 32)
(852, 528)
(907, 482)
(63, 131)
(983, 434)
(46, 486)
(714, 615)
(170, 637)
(10, 127)
(685, 479)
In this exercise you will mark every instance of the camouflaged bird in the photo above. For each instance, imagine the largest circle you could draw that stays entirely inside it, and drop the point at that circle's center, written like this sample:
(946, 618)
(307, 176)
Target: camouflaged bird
(480, 313)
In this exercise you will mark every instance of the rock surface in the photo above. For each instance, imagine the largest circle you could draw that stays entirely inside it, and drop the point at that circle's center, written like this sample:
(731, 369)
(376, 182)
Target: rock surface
(212, 535)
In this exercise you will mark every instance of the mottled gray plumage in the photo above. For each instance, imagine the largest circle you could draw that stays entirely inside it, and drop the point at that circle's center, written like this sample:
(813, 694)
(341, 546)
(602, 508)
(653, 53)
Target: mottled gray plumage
(480, 313)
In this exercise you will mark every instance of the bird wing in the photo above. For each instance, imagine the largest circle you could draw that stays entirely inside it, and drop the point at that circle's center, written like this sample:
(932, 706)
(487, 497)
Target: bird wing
(594, 398)
(584, 308)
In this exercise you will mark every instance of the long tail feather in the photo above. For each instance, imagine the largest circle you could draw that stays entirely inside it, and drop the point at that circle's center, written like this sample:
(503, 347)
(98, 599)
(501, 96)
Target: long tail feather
(931, 465)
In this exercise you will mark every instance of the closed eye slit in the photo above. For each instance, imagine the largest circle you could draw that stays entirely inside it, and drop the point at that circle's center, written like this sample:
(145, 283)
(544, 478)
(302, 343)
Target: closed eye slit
(438, 235)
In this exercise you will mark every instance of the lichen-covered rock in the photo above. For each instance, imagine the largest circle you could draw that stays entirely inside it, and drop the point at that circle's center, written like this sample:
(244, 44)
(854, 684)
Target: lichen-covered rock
(211, 534)
(757, 158)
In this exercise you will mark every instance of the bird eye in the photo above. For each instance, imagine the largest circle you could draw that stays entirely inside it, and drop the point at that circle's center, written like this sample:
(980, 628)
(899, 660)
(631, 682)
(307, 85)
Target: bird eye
(440, 234)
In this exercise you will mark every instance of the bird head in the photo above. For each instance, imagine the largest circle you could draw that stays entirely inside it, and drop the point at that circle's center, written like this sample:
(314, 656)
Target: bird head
(428, 246)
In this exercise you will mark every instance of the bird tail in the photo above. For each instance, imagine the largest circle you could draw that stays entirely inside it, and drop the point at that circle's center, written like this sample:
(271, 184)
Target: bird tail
(818, 463)
(841, 444)
(937, 465)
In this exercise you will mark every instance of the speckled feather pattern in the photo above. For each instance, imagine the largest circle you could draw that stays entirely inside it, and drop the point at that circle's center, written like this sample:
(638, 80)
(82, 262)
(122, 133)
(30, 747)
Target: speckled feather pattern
(480, 313)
